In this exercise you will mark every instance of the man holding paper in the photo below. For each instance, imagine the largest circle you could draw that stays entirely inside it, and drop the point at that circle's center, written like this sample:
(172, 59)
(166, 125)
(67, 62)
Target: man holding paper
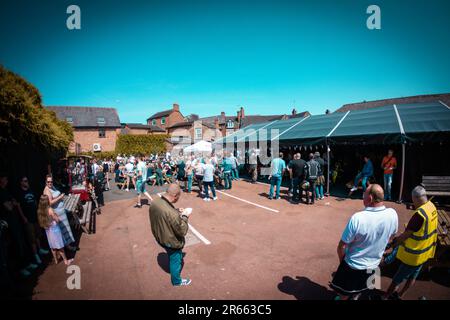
(169, 227)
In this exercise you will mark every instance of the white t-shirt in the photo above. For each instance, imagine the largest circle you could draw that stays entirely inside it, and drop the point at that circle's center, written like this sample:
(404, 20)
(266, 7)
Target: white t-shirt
(129, 167)
(208, 172)
(367, 234)
(94, 168)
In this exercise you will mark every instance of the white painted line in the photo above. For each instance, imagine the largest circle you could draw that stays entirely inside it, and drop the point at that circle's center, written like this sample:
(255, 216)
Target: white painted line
(255, 204)
(199, 235)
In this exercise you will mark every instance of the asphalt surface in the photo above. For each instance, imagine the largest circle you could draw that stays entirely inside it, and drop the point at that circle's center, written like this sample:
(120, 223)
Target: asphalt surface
(259, 249)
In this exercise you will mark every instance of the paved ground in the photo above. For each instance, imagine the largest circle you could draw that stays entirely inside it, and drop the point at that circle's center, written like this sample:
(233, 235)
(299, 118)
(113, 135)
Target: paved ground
(260, 249)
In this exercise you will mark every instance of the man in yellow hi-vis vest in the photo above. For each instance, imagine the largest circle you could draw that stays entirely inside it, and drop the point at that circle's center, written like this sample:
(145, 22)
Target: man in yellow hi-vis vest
(416, 245)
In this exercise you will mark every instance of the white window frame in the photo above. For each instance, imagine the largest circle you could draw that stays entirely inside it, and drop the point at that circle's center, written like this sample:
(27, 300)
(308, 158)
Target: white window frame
(163, 120)
(100, 121)
(196, 133)
(230, 124)
(69, 119)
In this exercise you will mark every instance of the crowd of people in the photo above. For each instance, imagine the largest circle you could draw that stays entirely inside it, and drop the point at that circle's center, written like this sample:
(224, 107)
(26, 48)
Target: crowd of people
(368, 242)
(31, 226)
(206, 172)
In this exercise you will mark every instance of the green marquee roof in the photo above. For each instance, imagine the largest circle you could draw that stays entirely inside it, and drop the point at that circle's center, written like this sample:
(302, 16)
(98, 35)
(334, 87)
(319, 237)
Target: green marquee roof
(388, 124)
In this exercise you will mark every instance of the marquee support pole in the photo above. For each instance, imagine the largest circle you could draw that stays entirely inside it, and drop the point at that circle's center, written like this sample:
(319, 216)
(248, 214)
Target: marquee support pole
(400, 196)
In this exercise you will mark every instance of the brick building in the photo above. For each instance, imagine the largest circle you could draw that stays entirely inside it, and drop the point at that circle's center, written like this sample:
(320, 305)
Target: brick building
(166, 118)
(138, 128)
(95, 129)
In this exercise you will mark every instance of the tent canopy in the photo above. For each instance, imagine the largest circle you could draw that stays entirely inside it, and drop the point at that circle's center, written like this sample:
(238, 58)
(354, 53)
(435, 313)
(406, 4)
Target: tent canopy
(201, 146)
(389, 124)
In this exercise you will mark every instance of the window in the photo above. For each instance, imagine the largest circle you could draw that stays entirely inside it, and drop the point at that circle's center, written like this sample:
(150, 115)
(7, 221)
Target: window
(198, 133)
(101, 133)
(154, 122)
(100, 120)
(163, 120)
(230, 124)
(69, 119)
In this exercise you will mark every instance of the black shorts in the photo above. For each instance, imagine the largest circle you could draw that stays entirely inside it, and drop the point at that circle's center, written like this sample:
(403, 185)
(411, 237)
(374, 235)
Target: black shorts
(348, 281)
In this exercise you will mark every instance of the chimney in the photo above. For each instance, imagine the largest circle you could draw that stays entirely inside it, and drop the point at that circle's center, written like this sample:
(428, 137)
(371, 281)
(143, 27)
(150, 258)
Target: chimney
(222, 114)
(176, 107)
(294, 112)
(242, 113)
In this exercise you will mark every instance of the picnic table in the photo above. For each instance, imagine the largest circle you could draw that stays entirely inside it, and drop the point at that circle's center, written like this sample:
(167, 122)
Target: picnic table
(443, 242)
(83, 214)
(437, 185)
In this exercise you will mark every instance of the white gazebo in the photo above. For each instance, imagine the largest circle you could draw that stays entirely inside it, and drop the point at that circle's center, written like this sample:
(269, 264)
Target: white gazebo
(201, 146)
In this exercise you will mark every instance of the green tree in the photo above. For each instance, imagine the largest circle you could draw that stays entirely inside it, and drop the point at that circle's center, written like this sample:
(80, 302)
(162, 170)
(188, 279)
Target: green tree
(23, 119)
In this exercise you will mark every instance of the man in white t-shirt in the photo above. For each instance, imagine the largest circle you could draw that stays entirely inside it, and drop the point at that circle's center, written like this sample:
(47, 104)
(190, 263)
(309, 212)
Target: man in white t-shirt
(129, 169)
(141, 180)
(208, 180)
(363, 243)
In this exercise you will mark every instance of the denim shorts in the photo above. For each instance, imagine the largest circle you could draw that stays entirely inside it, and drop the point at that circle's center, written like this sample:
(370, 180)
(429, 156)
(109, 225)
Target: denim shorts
(140, 186)
(406, 272)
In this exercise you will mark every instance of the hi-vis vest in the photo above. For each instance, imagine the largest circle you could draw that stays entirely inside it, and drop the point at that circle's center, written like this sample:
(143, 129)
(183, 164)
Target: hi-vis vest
(421, 245)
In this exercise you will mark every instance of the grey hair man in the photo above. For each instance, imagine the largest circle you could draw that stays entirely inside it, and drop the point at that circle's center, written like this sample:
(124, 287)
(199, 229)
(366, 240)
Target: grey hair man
(416, 245)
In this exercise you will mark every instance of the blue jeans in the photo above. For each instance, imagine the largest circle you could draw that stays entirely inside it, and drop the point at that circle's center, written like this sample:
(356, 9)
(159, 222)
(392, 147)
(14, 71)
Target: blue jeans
(189, 179)
(387, 186)
(207, 184)
(319, 191)
(227, 179)
(175, 262)
(276, 180)
(363, 182)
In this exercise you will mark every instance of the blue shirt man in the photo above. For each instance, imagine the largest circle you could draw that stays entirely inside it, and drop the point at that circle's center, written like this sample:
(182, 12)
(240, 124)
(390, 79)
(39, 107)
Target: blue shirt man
(365, 174)
(277, 168)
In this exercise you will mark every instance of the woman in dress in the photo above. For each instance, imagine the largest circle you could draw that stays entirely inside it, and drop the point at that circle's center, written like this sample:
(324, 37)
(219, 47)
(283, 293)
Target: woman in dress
(48, 220)
(57, 204)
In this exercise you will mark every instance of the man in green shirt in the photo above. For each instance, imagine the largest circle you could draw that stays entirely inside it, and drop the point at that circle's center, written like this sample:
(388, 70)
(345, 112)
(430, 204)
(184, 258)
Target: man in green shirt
(169, 227)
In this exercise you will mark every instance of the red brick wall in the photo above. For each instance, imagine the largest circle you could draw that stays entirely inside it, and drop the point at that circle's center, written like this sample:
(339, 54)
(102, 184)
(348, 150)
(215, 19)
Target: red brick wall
(171, 119)
(87, 137)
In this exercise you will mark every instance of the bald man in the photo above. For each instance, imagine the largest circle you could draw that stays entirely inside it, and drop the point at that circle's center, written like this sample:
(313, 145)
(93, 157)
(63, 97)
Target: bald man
(169, 227)
(362, 244)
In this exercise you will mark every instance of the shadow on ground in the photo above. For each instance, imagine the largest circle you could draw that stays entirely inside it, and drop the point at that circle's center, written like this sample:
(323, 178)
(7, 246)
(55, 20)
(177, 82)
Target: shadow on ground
(304, 289)
(163, 261)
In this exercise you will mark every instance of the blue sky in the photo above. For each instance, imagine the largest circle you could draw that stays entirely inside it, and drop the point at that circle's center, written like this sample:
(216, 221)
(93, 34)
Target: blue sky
(212, 56)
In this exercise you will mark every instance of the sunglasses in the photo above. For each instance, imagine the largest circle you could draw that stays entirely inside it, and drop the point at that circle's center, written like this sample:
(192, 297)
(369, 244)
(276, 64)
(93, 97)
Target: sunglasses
(49, 181)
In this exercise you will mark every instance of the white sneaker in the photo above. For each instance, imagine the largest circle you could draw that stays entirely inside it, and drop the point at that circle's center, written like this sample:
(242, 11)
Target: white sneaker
(38, 259)
(127, 190)
(43, 251)
(353, 189)
(184, 282)
(215, 198)
(206, 199)
(32, 266)
(25, 273)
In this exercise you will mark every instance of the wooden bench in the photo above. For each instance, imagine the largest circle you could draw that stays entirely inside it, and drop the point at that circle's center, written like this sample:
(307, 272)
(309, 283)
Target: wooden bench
(436, 185)
(443, 242)
(71, 202)
(82, 213)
